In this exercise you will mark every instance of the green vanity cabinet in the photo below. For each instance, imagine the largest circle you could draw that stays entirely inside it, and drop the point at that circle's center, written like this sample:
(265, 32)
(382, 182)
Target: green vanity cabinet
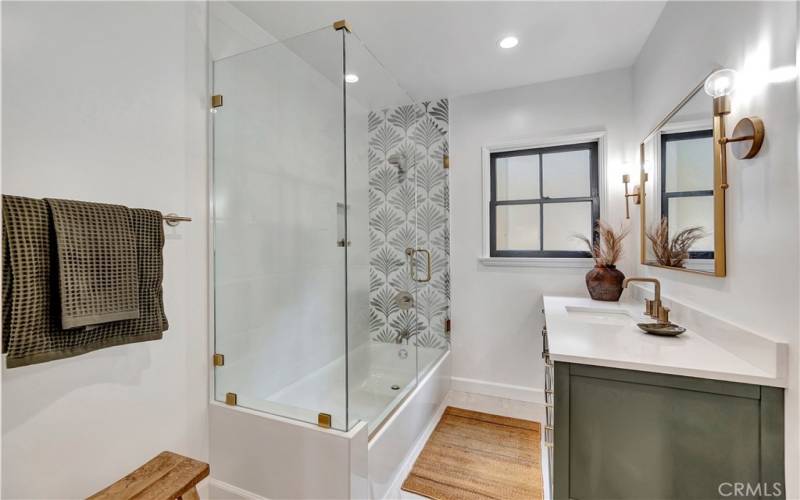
(624, 434)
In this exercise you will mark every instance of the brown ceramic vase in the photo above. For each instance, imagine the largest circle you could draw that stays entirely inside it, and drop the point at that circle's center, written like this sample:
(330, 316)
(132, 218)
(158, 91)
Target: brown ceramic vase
(605, 283)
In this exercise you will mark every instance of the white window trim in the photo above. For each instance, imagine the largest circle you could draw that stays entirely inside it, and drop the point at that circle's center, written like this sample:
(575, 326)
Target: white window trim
(486, 184)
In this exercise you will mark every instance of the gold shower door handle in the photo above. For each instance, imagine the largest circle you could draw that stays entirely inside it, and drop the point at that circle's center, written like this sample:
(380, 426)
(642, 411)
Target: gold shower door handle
(412, 263)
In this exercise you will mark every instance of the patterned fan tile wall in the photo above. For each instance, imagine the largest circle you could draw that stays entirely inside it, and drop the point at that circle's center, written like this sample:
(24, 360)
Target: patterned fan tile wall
(409, 207)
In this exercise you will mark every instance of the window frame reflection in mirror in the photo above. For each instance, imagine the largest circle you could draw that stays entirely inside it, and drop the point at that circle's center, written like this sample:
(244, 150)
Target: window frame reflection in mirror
(666, 136)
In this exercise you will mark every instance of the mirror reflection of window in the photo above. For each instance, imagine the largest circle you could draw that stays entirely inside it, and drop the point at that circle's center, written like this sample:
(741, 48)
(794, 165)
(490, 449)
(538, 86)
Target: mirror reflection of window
(687, 192)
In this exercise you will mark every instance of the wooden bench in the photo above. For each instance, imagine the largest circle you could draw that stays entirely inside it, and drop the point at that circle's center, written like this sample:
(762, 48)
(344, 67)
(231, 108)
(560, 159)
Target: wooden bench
(166, 477)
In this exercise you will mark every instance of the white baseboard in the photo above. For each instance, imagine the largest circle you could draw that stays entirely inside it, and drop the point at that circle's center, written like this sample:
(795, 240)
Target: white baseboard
(497, 406)
(505, 391)
(219, 490)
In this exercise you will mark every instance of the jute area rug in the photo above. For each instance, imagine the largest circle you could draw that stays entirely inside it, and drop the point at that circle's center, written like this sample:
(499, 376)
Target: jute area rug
(472, 455)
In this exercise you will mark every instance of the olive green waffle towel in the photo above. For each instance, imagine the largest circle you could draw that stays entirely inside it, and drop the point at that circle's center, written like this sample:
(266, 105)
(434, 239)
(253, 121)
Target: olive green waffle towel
(98, 280)
(32, 331)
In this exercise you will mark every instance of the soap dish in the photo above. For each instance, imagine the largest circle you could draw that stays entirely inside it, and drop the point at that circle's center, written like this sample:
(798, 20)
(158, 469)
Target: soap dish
(663, 329)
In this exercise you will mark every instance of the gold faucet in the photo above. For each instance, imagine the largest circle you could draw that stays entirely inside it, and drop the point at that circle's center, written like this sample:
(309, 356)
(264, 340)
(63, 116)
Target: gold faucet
(652, 308)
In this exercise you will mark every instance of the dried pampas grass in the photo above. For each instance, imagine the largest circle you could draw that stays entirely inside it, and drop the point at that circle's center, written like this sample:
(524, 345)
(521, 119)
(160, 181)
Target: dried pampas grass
(608, 249)
(673, 252)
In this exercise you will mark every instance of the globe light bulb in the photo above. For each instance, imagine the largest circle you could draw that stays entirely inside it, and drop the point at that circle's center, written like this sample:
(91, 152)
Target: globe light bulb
(720, 83)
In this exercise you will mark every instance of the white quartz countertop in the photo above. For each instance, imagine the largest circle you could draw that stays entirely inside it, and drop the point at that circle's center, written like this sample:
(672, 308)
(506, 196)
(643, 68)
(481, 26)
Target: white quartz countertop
(581, 330)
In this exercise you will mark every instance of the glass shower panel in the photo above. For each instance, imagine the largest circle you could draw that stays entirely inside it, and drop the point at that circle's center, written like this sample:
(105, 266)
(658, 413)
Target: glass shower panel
(279, 208)
(382, 162)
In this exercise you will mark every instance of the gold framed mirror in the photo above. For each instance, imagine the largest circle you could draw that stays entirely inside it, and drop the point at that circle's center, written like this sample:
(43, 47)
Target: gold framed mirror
(682, 200)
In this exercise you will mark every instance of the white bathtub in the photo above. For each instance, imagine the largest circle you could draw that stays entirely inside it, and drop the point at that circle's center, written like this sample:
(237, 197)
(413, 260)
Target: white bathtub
(390, 375)
(381, 375)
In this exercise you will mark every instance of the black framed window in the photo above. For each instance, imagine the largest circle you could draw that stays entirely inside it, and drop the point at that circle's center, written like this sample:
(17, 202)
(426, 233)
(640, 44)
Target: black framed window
(687, 176)
(540, 198)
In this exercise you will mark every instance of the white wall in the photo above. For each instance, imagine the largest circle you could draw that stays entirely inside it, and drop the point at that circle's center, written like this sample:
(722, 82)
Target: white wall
(497, 310)
(107, 102)
(760, 292)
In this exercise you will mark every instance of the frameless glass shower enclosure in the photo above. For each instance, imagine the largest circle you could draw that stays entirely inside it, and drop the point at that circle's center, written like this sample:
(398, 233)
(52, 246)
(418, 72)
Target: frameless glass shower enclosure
(331, 243)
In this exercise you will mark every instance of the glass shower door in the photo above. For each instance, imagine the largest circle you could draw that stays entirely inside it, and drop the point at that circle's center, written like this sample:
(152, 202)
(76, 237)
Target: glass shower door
(279, 208)
(386, 262)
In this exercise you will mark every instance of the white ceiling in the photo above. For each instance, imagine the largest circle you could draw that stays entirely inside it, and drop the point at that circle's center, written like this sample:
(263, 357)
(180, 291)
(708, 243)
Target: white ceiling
(437, 49)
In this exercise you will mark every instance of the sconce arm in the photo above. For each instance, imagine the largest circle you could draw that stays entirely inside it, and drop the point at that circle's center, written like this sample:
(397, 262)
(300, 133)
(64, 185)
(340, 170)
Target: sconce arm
(635, 194)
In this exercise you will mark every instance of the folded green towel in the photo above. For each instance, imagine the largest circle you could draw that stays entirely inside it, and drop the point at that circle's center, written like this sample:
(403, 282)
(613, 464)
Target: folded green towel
(32, 330)
(98, 281)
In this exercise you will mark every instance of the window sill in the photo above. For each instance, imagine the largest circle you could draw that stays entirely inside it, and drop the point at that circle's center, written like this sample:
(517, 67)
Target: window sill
(568, 262)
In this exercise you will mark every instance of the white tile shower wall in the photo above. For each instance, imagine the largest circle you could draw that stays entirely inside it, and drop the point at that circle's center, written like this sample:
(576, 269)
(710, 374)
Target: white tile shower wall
(760, 292)
(497, 310)
(107, 102)
(358, 253)
(409, 208)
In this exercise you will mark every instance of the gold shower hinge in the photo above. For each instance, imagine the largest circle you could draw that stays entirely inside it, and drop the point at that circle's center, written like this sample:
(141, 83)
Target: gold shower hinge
(324, 420)
(230, 399)
(216, 101)
(446, 161)
(342, 25)
(219, 359)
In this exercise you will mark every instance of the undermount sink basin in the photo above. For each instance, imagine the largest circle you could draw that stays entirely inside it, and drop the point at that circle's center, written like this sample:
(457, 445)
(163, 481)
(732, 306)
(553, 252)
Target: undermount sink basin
(599, 315)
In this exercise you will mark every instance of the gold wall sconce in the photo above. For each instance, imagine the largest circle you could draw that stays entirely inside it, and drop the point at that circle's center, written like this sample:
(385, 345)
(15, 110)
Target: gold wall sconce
(748, 134)
(637, 198)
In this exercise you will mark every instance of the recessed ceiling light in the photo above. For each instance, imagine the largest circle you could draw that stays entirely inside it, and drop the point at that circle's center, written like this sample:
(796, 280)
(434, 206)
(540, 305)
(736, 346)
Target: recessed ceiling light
(508, 42)
(351, 78)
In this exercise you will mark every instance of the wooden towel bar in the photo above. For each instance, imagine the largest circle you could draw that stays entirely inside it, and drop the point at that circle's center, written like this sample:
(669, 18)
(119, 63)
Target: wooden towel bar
(166, 477)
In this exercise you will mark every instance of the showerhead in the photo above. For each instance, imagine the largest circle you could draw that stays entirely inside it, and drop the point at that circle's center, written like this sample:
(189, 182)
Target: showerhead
(398, 161)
